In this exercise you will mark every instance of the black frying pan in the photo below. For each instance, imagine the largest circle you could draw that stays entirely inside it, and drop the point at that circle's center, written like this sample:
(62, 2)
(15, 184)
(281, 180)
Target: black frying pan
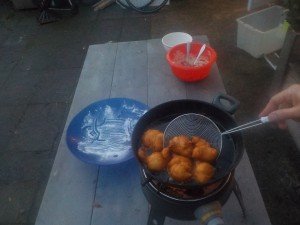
(159, 117)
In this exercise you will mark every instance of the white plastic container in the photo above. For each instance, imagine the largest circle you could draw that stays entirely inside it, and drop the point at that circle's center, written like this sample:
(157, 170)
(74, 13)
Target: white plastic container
(262, 32)
(176, 38)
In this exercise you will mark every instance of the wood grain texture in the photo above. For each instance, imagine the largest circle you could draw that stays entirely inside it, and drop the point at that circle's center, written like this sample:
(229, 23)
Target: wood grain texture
(206, 89)
(119, 197)
(130, 73)
(162, 84)
(69, 195)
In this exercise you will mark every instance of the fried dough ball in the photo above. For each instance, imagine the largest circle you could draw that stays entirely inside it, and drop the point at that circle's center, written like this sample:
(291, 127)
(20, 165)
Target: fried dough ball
(203, 172)
(142, 154)
(178, 159)
(206, 154)
(209, 154)
(180, 172)
(203, 151)
(197, 153)
(166, 153)
(153, 139)
(200, 142)
(156, 162)
(180, 168)
(196, 139)
(158, 144)
(181, 145)
(184, 158)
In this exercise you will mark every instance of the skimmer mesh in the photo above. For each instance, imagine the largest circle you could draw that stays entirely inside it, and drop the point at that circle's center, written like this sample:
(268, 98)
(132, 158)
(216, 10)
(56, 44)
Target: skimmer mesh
(193, 124)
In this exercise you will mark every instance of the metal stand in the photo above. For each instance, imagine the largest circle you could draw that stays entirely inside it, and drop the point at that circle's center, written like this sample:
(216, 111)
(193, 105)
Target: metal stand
(158, 214)
(238, 194)
(281, 68)
(47, 17)
(155, 217)
(49, 12)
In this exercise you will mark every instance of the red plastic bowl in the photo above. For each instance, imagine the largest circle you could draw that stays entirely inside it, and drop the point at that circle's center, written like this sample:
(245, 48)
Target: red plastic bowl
(190, 73)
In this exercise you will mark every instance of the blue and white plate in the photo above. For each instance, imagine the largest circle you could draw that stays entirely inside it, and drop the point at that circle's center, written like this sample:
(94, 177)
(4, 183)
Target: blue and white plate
(101, 133)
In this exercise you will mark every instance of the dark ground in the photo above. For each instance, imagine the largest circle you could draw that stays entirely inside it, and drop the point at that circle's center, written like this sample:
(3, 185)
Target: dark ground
(40, 67)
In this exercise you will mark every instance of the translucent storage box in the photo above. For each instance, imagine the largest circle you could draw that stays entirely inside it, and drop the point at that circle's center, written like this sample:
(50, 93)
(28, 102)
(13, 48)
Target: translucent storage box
(262, 32)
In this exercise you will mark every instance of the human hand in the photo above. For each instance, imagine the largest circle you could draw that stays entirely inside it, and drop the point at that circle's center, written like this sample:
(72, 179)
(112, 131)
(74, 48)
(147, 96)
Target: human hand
(284, 105)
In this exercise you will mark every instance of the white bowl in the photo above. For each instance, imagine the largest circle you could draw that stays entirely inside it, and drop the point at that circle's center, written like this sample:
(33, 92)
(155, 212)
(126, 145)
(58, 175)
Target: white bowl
(175, 38)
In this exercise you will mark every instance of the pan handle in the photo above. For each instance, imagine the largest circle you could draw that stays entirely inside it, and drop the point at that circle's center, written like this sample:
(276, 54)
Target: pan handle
(231, 104)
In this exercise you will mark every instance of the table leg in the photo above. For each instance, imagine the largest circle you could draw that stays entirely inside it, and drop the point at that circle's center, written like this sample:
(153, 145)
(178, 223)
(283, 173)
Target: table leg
(238, 194)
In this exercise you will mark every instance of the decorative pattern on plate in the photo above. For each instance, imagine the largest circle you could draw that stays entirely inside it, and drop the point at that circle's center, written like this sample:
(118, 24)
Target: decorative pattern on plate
(101, 133)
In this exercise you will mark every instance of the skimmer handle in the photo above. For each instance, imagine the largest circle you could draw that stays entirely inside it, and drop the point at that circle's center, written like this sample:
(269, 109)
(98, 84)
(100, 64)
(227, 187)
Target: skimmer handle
(255, 123)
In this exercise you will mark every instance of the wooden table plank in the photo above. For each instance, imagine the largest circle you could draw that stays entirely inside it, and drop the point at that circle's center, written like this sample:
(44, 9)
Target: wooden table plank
(118, 194)
(69, 195)
(130, 74)
(206, 89)
(96, 77)
(162, 85)
(71, 183)
(256, 213)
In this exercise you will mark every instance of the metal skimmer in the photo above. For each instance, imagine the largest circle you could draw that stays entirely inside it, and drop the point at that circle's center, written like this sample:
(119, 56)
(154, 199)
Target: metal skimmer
(193, 124)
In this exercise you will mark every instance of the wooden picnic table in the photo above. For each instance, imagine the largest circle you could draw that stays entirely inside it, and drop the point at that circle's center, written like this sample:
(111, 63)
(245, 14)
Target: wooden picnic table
(78, 193)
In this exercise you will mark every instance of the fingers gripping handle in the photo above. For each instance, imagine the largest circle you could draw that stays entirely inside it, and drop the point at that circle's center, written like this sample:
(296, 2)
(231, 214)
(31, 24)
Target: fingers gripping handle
(264, 119)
